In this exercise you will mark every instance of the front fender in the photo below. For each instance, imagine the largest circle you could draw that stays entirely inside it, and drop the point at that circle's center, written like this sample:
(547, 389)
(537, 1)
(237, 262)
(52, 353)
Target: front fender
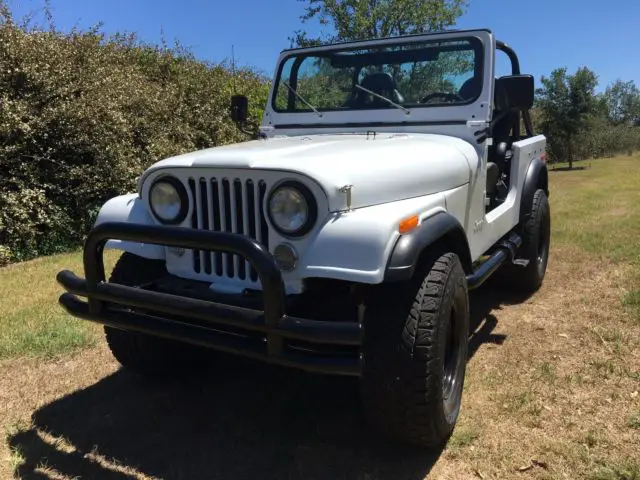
(356, 245)
(129, 208)
(441, 227)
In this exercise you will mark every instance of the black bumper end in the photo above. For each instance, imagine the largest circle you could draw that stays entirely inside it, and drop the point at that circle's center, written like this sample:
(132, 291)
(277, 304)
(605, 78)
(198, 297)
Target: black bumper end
(267, 335)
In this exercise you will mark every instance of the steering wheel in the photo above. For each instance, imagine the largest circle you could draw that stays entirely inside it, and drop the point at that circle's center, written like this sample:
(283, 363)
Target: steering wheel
(446, 95)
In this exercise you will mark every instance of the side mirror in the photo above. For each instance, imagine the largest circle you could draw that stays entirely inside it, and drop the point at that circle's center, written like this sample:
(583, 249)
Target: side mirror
(514, 92)
(239, 108)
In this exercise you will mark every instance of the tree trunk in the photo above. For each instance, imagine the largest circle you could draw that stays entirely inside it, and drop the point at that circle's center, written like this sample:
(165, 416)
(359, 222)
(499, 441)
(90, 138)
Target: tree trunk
(570, 152)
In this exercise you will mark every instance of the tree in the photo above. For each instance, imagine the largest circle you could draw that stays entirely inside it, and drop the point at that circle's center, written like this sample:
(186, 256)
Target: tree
(567, 104)
(362, 19)
(622, 100)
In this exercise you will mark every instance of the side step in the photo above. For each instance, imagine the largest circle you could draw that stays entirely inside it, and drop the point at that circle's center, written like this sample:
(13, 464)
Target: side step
(505, 250)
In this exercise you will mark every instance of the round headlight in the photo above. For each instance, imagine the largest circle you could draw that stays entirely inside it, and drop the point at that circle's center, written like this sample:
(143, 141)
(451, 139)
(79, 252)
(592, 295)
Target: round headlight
(168, 200)
(292, 209)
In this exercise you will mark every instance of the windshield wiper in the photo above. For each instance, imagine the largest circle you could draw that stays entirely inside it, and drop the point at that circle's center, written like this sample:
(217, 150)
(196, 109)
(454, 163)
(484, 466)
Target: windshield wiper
(382, 97)
(293, 90)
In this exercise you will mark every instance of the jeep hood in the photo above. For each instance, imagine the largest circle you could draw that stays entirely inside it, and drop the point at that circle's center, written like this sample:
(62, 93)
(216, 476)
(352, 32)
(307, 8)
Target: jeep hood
(382, 168)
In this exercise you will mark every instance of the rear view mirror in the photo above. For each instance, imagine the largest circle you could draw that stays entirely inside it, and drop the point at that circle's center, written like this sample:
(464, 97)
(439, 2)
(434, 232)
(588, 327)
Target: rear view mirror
(514, 92)
(239, 108)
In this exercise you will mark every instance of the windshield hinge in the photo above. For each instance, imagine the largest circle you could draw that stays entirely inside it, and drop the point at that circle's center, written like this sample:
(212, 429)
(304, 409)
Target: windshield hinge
(346, 189)
(265, 129)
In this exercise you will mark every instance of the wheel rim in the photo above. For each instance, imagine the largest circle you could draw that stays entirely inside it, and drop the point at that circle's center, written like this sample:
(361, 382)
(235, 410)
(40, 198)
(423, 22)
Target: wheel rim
(451, 359)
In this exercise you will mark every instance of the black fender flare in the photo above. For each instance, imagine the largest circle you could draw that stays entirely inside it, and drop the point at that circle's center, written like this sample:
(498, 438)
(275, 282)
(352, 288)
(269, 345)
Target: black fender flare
(537, 177)
(406, 253)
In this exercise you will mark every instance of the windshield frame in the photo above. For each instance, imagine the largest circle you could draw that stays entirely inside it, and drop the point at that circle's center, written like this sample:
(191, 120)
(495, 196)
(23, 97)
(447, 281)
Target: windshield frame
(301, 55)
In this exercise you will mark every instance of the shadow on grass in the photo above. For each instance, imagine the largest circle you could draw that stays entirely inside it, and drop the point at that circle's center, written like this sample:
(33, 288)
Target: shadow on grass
(240, 420)
(483, 303)
(567, 169)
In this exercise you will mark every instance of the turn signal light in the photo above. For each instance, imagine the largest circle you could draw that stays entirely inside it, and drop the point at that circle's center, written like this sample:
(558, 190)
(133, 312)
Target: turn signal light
(408, 224)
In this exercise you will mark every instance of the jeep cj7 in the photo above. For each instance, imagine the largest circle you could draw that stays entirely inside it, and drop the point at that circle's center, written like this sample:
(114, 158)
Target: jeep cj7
(388, 178)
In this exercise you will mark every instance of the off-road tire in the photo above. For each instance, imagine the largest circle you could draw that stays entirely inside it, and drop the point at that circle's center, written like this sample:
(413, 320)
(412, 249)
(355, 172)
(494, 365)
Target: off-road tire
(407, 354)
(145, 354)
(536, 240)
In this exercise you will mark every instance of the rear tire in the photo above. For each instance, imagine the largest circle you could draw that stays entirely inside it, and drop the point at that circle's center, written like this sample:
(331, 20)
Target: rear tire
(146, 354)
(536, 240)
(415, 353)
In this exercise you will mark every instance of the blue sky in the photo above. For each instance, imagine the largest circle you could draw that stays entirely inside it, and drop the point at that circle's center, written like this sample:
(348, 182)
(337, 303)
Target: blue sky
(545, 33)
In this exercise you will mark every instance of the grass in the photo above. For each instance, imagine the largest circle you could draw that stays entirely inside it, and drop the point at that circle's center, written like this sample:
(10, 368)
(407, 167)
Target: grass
(631, 300)
(564, 386)
(32, 324)
(597, 211)
(627, 470)
(556, 399)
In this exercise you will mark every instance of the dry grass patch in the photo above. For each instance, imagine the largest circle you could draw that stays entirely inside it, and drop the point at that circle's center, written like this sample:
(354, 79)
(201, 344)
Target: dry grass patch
(558, 395)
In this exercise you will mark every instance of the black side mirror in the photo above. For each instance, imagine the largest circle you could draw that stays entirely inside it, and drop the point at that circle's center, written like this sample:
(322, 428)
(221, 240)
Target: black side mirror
(239, 108)
(514, 92)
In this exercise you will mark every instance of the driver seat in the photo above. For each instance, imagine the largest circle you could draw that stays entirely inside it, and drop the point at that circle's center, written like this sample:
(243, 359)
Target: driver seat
(381, 83)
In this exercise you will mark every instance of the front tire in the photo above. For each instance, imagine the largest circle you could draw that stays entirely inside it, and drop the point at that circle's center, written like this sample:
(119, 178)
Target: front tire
(415, 353)
(146, 354)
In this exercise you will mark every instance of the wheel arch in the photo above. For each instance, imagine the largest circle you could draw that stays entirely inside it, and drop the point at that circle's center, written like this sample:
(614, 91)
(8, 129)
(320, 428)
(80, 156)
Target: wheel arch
(537, 177)
(441, 231)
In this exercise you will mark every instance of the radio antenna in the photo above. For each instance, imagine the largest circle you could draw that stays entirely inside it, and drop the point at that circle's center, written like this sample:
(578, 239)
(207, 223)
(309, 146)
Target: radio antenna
(233, 67)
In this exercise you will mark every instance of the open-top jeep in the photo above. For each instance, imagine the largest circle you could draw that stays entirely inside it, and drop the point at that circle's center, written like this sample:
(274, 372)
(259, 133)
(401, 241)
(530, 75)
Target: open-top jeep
(388, 178)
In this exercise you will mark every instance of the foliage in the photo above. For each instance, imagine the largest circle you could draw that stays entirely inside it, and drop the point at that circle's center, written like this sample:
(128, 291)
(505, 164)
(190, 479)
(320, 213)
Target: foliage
(83, 114)
(567, 102)
(581, 124)
(362, 19)
(622, 102)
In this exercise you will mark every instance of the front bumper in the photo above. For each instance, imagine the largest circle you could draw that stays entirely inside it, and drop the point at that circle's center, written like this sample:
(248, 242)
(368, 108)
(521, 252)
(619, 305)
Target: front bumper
(267, 335)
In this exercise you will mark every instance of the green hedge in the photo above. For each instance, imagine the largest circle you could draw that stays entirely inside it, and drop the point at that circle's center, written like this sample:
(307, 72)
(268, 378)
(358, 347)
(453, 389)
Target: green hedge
(82, 115)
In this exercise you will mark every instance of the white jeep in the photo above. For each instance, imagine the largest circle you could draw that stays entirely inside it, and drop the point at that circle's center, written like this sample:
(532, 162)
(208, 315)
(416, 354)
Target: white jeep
(388, 178)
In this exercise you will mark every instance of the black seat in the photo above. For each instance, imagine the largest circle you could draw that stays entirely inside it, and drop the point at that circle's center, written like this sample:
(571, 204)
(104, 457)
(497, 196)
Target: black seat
(380, 83)
(503, 135)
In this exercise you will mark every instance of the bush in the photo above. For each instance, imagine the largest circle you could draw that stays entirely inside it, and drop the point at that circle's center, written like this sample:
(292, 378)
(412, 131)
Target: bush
(84, 114)
(600, 139)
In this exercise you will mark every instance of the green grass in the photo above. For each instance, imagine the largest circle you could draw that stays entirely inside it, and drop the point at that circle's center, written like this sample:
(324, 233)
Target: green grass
(596, 210)
(631, 300)
(628, 470)
(463, 437)
(634, 421)
(32, 324)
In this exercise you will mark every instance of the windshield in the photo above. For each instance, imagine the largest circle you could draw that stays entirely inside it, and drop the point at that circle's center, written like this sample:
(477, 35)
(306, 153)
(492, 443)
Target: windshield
(408, 75)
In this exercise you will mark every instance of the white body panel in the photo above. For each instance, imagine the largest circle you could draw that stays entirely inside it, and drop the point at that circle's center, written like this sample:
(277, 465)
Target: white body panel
(131, 209)
(355, 245)
(503, 218)
(384, 168)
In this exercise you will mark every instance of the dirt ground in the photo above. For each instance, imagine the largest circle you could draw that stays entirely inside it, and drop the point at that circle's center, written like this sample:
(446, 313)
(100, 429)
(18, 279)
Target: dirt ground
(552, 385)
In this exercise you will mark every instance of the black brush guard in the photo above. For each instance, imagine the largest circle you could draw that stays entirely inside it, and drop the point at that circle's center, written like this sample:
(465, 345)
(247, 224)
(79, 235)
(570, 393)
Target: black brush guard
(170, 316)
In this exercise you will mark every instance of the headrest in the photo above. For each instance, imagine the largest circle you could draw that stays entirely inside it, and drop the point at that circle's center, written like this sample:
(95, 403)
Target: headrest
(378, 82)
(470, 89)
